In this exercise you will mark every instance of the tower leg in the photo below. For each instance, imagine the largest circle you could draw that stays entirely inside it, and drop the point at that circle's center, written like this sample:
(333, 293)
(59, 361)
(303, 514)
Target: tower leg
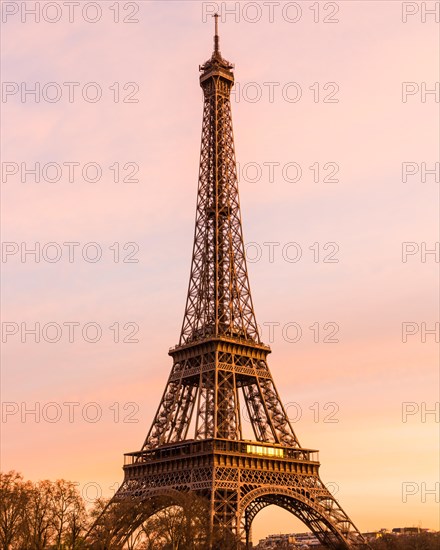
(247, 529)
(211, 520)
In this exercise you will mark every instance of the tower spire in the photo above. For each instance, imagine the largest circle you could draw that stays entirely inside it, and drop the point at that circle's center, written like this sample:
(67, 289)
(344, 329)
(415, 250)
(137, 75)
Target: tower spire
(216, 36)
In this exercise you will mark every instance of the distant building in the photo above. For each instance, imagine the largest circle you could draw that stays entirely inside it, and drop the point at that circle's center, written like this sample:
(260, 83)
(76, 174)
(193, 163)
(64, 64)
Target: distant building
(397, 531)
(407, 530)
(291, 541)
(307, 541)
(372, 535)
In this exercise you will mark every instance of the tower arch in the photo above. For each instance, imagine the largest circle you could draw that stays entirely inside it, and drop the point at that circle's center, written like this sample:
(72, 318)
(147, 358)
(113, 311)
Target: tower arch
(321, 514)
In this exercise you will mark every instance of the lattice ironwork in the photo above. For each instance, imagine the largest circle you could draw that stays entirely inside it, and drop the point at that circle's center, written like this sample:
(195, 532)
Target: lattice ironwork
(205, 397)
(219, 300)
(196, 441)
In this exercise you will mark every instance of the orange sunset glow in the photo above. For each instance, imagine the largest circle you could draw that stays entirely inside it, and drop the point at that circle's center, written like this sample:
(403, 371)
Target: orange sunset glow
(335, 111)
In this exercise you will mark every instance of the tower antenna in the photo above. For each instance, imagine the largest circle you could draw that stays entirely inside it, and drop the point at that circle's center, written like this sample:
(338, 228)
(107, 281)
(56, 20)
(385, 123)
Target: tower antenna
(216, 36)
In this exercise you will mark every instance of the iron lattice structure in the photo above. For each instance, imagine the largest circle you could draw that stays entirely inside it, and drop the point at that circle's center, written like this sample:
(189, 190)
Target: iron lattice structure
(197, 441)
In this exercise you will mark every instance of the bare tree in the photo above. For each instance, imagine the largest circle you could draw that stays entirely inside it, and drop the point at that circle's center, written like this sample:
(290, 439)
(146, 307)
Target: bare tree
(416, 541)
(112, 522)
(39, 517)
(225, 539)
(68, 513)
(14, 493)
(102, 520)
(52, 516)
(77, 522)
(178, 527)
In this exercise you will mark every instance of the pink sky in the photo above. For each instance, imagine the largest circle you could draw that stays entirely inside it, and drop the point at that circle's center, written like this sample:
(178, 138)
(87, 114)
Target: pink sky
(369, 455)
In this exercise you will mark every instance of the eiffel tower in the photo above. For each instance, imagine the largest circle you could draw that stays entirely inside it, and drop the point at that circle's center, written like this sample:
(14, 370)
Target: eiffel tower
(196, 442)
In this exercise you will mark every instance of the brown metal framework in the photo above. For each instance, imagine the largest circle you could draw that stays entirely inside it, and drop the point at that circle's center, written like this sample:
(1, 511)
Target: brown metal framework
(196, 442)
